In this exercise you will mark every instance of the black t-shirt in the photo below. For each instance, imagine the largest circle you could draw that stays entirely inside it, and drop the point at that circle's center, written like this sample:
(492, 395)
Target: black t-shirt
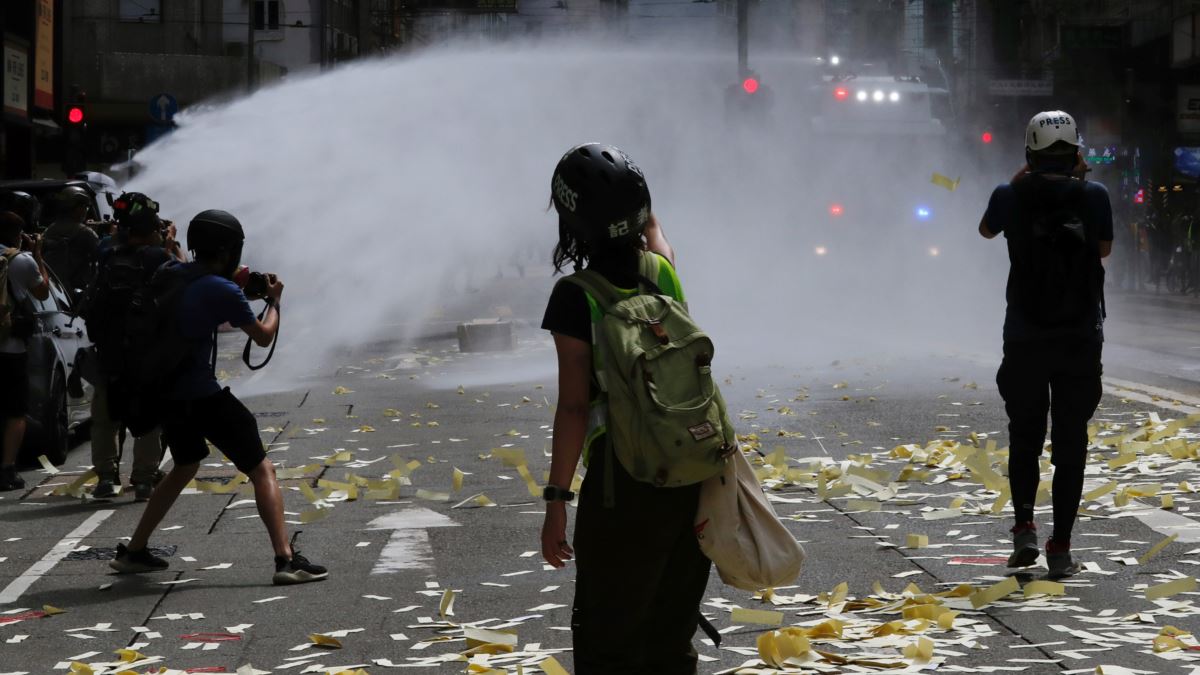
(567, 312)
(1010, 212)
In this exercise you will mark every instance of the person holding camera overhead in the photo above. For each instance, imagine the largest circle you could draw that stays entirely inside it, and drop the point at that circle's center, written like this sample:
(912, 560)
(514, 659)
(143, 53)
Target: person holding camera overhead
(198, 410)
(22, 274)
(143, 244)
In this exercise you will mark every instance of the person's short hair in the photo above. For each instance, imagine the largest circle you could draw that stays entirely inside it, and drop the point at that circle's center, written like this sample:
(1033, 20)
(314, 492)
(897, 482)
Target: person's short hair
(11, 226)
(1058, 157)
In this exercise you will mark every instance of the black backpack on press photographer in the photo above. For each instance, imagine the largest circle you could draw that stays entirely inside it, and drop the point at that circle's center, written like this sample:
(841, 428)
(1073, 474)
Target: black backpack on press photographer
(1061, 279)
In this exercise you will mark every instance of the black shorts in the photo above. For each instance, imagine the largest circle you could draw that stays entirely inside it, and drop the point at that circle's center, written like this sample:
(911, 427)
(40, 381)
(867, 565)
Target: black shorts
(220, 419)
(14, 385)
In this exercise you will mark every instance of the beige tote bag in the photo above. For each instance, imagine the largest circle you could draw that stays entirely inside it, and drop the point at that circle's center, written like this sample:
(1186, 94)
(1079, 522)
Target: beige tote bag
(739, 531)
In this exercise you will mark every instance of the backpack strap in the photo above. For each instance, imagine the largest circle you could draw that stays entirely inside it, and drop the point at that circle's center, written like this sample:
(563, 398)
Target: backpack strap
(595, 285)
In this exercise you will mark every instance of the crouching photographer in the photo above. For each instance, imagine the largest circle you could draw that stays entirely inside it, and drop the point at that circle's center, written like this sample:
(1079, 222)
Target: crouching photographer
(192, 301)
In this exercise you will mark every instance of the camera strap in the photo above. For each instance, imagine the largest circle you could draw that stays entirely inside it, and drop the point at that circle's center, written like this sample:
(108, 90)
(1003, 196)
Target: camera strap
(274, 341)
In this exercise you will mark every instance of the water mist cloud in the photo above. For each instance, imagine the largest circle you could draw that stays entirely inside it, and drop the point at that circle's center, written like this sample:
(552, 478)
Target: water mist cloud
(372, 188)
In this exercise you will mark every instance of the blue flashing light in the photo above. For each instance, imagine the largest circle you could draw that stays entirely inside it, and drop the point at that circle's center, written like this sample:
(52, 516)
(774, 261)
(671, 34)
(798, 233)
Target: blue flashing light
(923, 213)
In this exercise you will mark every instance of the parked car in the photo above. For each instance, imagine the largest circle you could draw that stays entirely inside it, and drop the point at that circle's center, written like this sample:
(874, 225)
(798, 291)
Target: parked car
(46, 190)
(53, 411)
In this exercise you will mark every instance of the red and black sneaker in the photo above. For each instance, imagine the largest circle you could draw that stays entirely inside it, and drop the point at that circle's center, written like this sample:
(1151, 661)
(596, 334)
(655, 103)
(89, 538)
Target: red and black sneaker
(1025, 545)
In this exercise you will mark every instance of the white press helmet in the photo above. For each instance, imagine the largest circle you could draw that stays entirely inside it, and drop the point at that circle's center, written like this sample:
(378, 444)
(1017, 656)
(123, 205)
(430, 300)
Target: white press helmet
(1049, 127)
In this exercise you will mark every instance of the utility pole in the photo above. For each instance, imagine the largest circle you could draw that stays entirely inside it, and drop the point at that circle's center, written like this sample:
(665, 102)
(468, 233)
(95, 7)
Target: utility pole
(250, 78)
(743, 38)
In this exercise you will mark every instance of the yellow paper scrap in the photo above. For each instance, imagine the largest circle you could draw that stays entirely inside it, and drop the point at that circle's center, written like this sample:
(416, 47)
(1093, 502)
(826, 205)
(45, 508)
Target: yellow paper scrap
(446, 606)
(1044, 587)
(342, 391)
(1100, 491)
(325, 641)
(994, 592)
(1168, 639)
(1121, 460)
(342, 456)
(78, 668)
(534, 490)
(47, 465)
(432, 496)
(1168, 502)
(763, 617)
(862, 505)
(313, 515)
(477, 637)
(950, 184)
(551, 666)
(777, 646)
(130, 655)
(51, 610)
(1002, 500)
(513, 457)
(1170, 588)
(918, 541)
(946, 619)
(456, 482)
(921, 650)
(1154, 550)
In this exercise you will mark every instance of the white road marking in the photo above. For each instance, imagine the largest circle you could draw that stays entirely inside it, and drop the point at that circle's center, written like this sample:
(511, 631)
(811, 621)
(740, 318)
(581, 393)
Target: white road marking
(1144, 393)
(409, 547)
(39, 569)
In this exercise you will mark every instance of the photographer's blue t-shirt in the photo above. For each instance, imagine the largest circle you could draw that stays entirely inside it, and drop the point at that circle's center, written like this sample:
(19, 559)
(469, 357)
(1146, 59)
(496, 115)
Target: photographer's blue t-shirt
(207, 303)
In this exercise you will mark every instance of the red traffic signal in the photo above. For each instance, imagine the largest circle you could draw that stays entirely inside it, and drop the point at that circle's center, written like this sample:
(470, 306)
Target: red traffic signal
(750, 85)
(836, 210)
(841, 93)
(75, 114)
(986, 137)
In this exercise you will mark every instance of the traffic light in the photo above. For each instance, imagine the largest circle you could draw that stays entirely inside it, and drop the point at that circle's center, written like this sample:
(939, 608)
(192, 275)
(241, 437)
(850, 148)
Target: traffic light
(750, 85)
(748, 101)
(986, 137)
(75, 135)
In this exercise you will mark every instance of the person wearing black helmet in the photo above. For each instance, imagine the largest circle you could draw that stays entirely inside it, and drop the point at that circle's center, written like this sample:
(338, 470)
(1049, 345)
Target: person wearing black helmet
(143, 245)
(640, 570)
(25, 205)
(70, 245)
(200, 411)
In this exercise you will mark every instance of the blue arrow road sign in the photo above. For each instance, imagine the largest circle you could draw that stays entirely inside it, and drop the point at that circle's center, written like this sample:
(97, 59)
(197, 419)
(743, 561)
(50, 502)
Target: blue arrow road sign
(163, 108)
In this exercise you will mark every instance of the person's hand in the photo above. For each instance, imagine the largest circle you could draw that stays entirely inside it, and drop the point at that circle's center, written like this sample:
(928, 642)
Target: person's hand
(171, 232)
(274, 287)
(555, 548)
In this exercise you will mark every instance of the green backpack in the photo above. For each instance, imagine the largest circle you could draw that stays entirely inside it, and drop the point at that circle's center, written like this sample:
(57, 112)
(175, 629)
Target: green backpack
(666, 419)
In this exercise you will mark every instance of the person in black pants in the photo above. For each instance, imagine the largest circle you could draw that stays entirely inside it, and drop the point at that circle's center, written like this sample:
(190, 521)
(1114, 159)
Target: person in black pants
(1058, 227)
(640, 572)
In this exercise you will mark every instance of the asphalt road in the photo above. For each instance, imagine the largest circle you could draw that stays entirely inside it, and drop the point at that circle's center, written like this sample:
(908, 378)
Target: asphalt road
(849, 430)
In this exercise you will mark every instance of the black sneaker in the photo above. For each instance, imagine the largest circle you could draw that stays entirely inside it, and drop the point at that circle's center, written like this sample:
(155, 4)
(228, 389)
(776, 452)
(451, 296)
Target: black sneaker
(1060, 564)
(298, 570)
(10, 479)
(1025, 545)
(142, 491)
(105, 488)
(134, 562)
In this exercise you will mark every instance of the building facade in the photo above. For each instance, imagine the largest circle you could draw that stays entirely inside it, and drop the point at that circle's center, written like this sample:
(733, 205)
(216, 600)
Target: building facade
(31, 41)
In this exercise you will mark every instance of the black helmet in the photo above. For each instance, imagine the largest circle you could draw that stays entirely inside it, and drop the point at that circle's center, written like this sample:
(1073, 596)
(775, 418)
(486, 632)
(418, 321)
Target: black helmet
(213, 231)
(137, 212)
(23, 204)
(73, 196)
(600, 195)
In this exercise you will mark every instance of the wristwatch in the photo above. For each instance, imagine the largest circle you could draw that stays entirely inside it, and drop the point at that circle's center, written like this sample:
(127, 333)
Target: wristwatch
(553, 493)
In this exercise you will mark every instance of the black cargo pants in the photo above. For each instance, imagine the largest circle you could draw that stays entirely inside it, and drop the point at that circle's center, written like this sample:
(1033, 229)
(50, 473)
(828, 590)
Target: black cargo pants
(1060, 376)
(640, 577)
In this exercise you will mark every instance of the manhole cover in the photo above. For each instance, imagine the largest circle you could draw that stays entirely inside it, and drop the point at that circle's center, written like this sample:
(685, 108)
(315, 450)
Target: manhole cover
(101, 553)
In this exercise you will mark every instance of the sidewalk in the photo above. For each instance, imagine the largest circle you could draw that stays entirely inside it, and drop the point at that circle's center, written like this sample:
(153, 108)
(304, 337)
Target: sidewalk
(1150, 297)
